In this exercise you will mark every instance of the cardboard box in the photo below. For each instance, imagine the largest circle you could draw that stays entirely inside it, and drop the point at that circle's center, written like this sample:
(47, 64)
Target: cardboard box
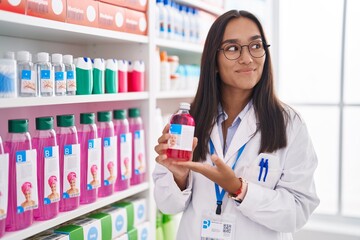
(139, 5)
(49, 9)
(135, 22)
(84, 12)
(106, 226)
(111, 17)
(81, 229)
(136, 210)
(143, 231)
(49, 235)
(119, 222)
(17, 6)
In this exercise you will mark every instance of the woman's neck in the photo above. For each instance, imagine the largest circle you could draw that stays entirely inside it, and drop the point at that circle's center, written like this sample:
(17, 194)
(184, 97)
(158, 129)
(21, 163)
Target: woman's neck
(234, 102)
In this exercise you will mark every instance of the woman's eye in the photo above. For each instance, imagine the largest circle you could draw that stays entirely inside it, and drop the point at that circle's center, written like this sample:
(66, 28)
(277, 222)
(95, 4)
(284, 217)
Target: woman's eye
(231, 48)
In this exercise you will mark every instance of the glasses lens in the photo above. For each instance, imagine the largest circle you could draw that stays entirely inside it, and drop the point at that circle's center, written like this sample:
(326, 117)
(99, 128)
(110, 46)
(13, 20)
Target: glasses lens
(232, 51)
(257, 49)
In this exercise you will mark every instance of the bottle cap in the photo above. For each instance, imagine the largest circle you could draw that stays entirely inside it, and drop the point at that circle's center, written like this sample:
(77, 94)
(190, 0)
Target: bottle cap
(119, 114)
(111, 64)
(68, 59)
(87, 118)
(99, 63)
(44, 123)
(18, 125)
(122, 65)
(134, 112)
(42, 57)
(23, 56)
(163, 56)
(104, 116)
(185, 106)
(65, 120)
(56, 58)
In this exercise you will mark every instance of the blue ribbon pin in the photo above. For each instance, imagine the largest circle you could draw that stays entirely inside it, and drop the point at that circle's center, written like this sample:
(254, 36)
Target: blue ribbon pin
(264, 163)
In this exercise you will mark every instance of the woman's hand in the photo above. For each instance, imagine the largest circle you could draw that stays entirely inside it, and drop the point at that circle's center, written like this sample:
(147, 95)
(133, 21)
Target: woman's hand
(220, 173)
(180, 173)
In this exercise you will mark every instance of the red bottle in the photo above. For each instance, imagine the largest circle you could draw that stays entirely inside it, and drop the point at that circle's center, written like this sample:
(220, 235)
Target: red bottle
(182, 127)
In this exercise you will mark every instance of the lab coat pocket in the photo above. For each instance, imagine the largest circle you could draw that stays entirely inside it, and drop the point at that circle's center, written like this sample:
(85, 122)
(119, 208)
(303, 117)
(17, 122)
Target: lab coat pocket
(265, 171)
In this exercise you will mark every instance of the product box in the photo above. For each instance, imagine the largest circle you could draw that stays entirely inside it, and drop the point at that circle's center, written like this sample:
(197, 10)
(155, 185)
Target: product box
(81, 229)
(139, 5)
(50, 9)
(84, 12)
(17, 6)
(106, 225)
(132, 234)
(135, 22)
(111, 17)
(49, 235)
(143, 231)
(119, 220)
(136, 210)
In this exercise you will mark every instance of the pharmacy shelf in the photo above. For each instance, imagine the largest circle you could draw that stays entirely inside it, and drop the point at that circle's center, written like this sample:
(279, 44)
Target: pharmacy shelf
(202, 6)
(61, 100)
(23, 26)
(180, 46)
(40, 226)
(175, 94)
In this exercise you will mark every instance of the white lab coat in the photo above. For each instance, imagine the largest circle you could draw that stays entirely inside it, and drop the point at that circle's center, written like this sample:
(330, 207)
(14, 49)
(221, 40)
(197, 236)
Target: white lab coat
(273, 209)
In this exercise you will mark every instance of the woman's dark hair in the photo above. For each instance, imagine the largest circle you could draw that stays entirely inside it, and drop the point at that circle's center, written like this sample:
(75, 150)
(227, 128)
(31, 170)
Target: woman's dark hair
(268, 109)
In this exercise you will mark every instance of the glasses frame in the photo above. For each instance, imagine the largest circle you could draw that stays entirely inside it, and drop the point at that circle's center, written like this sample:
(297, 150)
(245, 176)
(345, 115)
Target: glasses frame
(266, 46)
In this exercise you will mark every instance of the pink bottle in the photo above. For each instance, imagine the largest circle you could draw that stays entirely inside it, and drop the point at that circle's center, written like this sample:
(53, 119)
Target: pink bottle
(182, 127)
(138, 153)
(48, 175)
(2, 193)
(122, 76)
(108, 153)
(90, 158)
(69, 155)
(136, 76)
(17, 141)
(124, 150)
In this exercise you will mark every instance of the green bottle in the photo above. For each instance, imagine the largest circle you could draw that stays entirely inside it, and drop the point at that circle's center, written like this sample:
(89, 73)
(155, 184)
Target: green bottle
(111, 76)
(99, 75)
(169, 227)
(159, 226)
(84, 76)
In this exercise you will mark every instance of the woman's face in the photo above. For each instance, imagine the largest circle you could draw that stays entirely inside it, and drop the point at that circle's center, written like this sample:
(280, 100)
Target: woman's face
(245, 72)
(28, 195)
(72, 183)
(53, 187)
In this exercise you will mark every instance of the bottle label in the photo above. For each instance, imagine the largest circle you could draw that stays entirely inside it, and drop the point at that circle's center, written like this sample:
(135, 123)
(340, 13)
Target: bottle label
(28, 84)
(46, 83)
(71, 182)
(94, 163)
(4, 171)
(26, 180)
(126, 155)
(139, 151)
(181, 137)
(70, 81)
(110, 160)
(60, 83)
(51, 175)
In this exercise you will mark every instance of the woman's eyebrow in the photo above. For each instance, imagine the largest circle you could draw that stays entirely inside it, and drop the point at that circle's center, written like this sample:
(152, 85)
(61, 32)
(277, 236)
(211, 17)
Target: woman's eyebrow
(252, 38)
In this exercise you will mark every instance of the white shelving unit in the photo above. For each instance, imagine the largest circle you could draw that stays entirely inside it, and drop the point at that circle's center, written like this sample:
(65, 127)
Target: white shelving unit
(20, 32)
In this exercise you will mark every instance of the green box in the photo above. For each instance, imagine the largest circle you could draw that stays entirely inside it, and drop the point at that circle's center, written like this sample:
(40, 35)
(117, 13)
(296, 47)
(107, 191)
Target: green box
(119, 222)
(106, 225)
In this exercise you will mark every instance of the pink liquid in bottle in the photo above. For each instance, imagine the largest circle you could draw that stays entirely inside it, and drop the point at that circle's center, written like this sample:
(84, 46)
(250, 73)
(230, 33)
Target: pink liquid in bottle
(2, 221)
(182, 126)
(136, 76)
(108, 153)
(66, 135)
(18, 140)
(47, 177)
(87, 133)
(122, 76)
(121, 125)
(138, 153)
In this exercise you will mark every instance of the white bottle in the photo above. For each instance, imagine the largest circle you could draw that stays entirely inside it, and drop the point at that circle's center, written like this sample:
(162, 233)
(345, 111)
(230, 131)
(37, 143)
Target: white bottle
(164, 72)
(70, 75)
(44, 75)
(59, 73)
(179, 22)
(162, 19)
(27, 86)
(185, 23)
(170, 19)
(196, 25)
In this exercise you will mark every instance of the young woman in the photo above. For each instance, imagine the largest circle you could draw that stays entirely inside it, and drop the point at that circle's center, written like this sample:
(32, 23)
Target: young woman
(251, 175)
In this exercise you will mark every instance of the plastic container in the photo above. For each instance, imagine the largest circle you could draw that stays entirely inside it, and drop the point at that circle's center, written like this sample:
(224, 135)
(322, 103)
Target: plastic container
(84, 76)
(70, 75)
(111, 76)
(182, 127)
(69, 154)
(90, 158)
(48, 176)
(136, 76)
(123, 75)
(124, 150)
(59, 74)
(4, 171)
(138, 152)
(8, 78)
(99, 76)
(18, 145)
(108, 153)
(45, 77)
(27, 86)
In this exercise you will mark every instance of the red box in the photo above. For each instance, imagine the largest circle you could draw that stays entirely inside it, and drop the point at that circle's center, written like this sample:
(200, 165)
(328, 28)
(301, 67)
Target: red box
(139, 5)
(135, 22)
(17, 6)
(111, 17)
(50, 9)
(82, 12)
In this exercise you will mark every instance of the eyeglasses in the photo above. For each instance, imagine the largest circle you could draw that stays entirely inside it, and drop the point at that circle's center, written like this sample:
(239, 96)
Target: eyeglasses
(232, 51)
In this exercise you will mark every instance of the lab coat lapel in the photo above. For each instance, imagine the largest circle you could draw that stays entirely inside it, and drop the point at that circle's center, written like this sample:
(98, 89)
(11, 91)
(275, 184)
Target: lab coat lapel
(243, 134)
(215, 138)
